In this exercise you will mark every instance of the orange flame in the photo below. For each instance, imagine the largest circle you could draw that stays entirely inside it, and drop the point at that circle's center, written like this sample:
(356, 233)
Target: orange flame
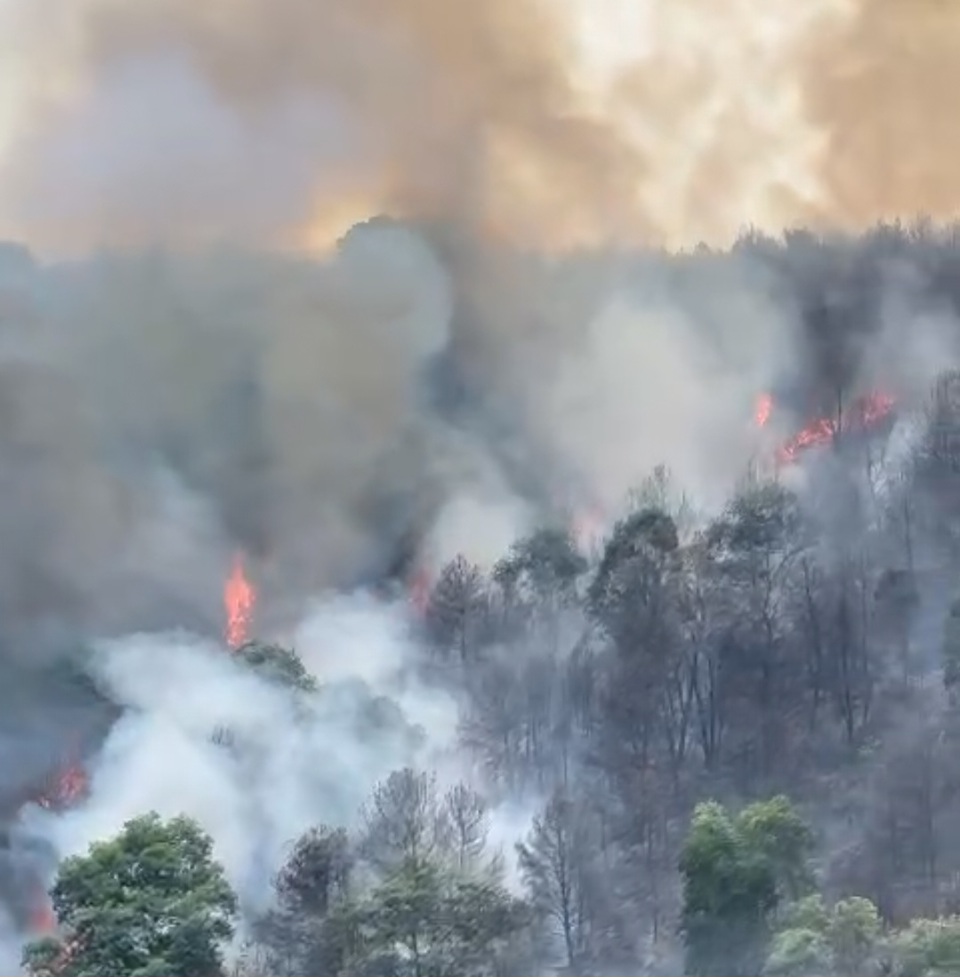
(867, 412)
(239, 599)
(69, 788)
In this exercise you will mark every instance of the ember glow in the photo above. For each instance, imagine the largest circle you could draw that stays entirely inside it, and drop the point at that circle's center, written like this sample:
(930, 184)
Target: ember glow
(239, 600)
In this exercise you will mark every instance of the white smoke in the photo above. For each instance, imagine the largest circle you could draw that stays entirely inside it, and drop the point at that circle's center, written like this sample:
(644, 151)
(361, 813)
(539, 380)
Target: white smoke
(254, 764)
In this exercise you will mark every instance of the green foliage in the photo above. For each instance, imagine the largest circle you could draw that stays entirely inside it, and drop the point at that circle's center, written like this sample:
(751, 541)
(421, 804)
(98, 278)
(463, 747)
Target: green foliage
(152, 901)
(427, 921)
(809, 913)
(775, 830)
(277, 664)
(854, 934)
(429, 901)
(928, 948)
(846, 939)
(797, 953)
(735, 872)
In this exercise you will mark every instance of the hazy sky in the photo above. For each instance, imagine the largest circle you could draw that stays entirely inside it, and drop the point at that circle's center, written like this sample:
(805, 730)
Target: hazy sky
(555, 123)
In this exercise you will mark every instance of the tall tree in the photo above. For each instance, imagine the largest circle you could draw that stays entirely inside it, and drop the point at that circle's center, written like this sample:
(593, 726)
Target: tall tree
(556, 866)
(308, 930)
(456, 613)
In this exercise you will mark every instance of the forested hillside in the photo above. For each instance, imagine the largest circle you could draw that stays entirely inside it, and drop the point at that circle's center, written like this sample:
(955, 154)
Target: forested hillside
(691, 736)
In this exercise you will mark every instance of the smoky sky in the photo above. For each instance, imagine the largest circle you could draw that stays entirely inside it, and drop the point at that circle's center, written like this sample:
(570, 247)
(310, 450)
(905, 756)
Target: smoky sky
(207, 344)
(288, 120)
(192, 365)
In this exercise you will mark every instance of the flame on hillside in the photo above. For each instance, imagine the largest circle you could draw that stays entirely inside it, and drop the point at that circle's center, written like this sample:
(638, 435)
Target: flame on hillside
(69, 788)
(866, 412)
(239, 601)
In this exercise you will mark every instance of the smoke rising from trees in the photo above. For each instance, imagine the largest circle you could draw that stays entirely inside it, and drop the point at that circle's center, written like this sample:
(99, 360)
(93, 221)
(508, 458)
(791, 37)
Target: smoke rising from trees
(373, 293)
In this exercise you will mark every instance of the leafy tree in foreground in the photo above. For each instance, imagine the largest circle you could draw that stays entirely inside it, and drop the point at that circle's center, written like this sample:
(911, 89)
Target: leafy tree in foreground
(426, 920)
(150, 903)
(736, 870)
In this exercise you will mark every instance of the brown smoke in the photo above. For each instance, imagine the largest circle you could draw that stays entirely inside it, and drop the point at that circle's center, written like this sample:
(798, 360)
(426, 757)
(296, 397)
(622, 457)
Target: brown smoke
(456, 110)
(283, 387)
(712, 116)
(884, 93)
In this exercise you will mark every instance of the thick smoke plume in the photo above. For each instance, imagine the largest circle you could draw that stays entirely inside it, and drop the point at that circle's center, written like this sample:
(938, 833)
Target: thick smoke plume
(203, 735)
(547, 123)
(239, 373)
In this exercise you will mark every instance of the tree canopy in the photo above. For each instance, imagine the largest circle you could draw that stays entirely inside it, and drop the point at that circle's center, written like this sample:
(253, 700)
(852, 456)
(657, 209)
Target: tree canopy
(736, 870)
(151, 902)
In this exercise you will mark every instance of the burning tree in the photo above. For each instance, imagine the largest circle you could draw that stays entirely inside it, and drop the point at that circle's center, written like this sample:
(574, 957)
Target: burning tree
(68, 788)
(239, 601)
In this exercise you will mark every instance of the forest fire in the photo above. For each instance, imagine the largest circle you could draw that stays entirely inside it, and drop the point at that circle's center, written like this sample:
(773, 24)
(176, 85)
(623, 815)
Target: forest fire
(69, 788)
(239, 601)
(866, 413)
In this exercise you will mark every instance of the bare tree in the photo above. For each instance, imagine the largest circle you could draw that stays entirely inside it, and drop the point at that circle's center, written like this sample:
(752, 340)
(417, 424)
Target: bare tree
(403, 821)
(555, 865)
(465, 815)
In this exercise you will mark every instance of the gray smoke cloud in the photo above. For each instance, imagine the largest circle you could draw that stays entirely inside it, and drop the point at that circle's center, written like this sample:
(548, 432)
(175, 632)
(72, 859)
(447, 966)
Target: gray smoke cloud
(198, 361)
